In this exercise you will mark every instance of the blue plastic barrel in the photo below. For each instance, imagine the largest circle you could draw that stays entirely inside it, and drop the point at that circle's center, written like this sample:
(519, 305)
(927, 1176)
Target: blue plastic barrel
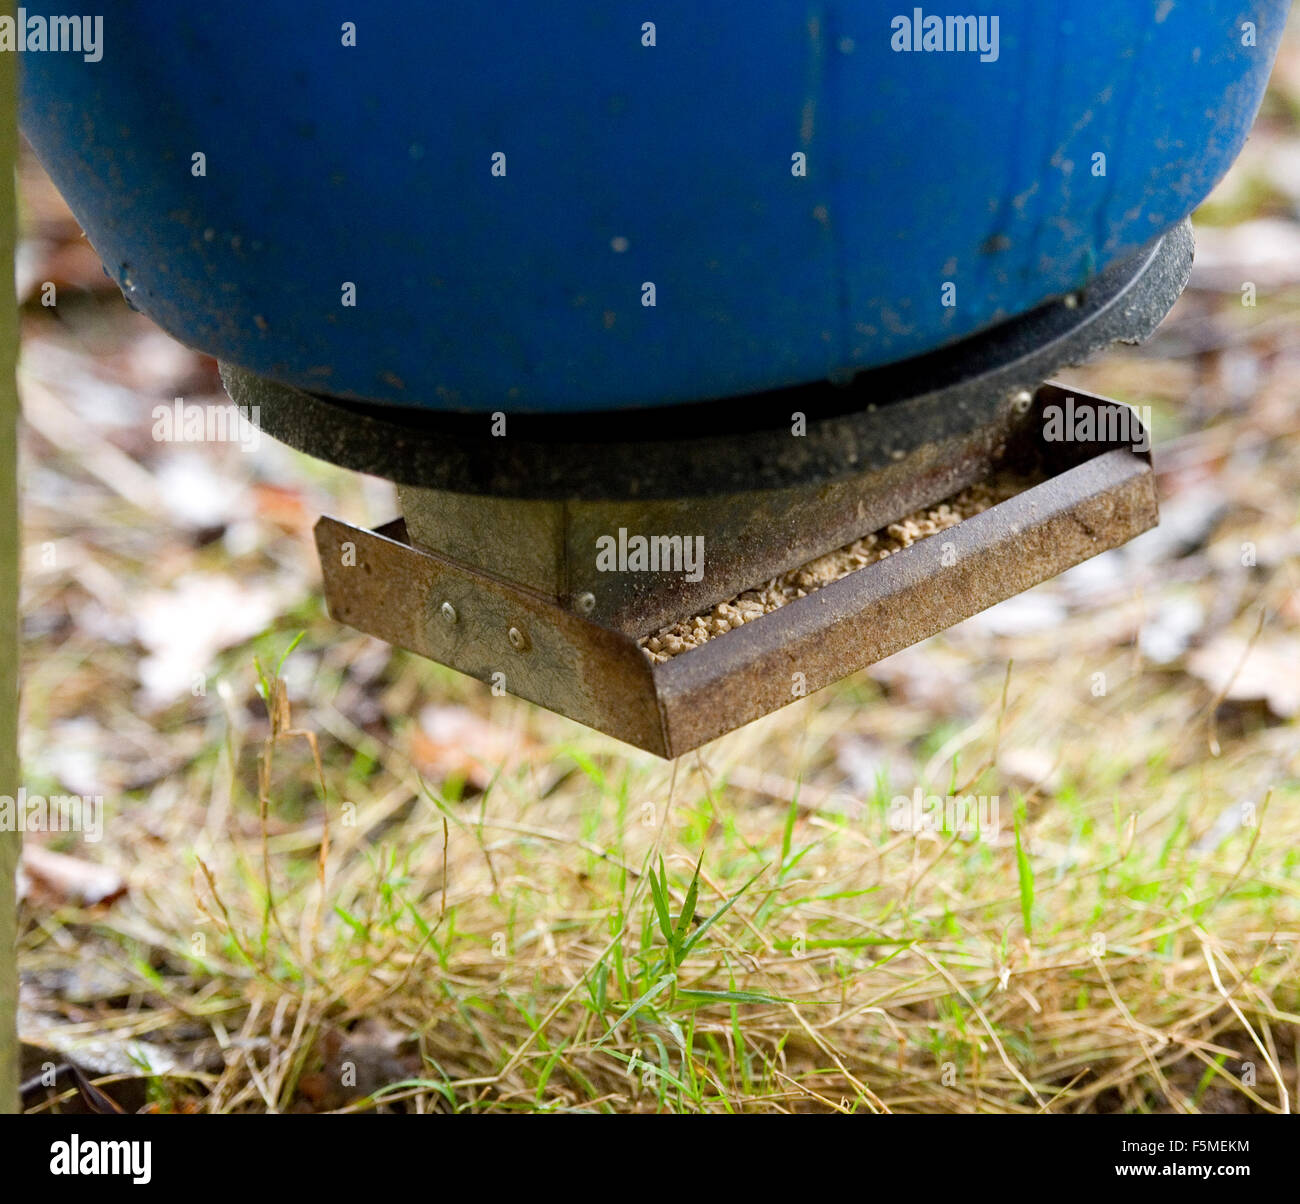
(803, 190)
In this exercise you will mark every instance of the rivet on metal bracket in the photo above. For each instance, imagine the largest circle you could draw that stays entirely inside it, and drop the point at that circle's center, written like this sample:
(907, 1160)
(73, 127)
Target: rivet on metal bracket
(448, 612)
(518, 640)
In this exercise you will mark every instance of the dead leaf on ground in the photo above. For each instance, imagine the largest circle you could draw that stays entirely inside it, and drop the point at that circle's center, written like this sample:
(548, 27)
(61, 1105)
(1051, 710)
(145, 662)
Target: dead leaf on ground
(57, 879)
(453, 741)
(1030, 769)
(186, 626)
(356, 1065)
(1268, 671)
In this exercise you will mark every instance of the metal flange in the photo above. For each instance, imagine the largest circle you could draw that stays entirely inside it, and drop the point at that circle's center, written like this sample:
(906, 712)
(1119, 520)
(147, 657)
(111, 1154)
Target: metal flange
(735, 444)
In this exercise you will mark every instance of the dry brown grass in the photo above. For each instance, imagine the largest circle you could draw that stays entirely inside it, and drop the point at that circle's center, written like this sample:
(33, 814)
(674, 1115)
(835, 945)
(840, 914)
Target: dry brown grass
(481, 920)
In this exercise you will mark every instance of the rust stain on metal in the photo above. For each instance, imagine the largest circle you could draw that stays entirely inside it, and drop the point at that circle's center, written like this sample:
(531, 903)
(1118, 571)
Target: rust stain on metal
(387, 588)
(875, 612)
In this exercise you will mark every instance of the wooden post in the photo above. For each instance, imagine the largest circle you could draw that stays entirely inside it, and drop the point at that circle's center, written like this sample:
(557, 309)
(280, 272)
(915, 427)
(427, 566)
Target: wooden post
(10, 842)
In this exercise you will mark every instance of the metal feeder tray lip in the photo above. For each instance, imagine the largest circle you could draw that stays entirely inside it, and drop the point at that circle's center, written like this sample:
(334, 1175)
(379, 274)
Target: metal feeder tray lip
(535, 648)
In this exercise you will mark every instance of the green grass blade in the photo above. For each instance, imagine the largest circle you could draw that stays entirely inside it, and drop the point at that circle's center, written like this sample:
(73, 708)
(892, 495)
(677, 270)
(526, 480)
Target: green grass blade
(654, 992)
(688, 907)
(1026, 874)
(694, 938)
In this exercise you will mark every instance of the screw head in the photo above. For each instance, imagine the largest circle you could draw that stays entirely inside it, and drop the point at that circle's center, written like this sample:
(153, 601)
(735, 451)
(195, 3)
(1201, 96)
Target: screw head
(448, 612)
(1021, 400)
(518, 640)
(585, 603)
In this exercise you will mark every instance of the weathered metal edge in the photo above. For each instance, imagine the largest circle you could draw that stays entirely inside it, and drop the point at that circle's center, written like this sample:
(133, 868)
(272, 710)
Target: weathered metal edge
(911, 595)
(378, 582)
(561, 661)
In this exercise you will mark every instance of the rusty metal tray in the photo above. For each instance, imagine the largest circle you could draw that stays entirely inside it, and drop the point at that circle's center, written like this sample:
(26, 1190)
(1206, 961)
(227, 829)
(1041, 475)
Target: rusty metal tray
(1094, 497)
